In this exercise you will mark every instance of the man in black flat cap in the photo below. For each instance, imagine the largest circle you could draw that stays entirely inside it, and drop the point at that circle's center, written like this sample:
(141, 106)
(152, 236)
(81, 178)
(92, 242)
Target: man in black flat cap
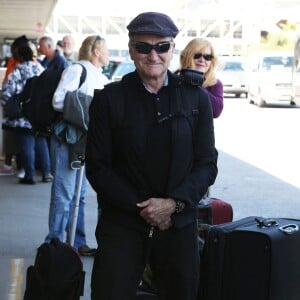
(150, 157)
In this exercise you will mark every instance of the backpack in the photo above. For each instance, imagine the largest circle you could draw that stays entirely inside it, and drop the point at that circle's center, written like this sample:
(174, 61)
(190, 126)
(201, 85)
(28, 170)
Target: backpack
(38, 107)
(13, 108)
(57, 273)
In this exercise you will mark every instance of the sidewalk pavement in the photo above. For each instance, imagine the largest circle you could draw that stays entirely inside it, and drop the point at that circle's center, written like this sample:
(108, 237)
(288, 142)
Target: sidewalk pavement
(24, 215)
(23, 227)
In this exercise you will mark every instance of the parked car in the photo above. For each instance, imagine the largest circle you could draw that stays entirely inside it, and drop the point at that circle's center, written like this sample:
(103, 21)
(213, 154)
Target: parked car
(231, 70)
(270, 79)
(296, 86)
(112, 65)
(296, 73)
(122, 69)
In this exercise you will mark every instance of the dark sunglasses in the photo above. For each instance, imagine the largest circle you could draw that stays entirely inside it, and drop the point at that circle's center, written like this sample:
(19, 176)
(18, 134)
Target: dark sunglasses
(207, 57)
(145, 48)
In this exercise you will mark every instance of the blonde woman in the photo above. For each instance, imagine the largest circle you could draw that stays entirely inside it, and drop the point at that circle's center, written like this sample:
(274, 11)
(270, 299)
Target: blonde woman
(200, 55)
(93, 55)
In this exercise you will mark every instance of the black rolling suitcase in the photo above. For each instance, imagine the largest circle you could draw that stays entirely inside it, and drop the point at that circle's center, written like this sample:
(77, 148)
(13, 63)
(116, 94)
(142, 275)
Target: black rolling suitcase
(252, 259)
(57, 273)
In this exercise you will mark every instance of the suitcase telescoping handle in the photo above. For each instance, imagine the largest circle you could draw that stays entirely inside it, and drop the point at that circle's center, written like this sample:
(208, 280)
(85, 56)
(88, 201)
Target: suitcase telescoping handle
(262, 222)
(287, 229)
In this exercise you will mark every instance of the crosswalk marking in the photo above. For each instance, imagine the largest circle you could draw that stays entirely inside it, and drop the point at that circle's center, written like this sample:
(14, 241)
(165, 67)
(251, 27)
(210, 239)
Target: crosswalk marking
(16, 278)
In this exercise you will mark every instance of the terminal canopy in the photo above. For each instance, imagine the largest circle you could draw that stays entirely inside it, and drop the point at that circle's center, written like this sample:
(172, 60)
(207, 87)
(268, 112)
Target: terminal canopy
(30, 17)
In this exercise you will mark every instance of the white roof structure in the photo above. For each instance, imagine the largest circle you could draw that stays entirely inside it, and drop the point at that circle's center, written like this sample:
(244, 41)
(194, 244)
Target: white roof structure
(232, 24)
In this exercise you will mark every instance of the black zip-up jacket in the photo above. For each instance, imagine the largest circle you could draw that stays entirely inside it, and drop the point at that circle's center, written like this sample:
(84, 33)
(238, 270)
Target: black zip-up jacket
(141, 145)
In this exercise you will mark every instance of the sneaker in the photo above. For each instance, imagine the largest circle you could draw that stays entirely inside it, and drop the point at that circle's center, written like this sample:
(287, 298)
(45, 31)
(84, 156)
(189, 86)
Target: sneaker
(86, 251)
(47, 178)
(21, 173)
(7, 170)
(26, 181)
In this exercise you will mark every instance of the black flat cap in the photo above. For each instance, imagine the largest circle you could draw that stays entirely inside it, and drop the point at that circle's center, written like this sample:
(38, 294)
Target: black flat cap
(153, 23)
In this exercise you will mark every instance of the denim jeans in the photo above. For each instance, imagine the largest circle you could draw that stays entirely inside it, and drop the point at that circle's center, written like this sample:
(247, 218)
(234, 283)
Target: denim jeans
(33, 148)
(63, 196)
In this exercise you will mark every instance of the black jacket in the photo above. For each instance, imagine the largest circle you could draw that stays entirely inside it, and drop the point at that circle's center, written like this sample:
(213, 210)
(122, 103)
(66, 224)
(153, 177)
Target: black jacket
(125, 122)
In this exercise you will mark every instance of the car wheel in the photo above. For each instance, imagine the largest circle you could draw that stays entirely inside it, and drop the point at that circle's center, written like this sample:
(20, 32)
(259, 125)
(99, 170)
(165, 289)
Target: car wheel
(261, 102)
(238, 95)
(249, 98)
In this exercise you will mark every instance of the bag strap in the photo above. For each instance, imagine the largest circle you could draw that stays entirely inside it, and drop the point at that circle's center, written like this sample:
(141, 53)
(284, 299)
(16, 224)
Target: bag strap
(188, 108)
(82, 76)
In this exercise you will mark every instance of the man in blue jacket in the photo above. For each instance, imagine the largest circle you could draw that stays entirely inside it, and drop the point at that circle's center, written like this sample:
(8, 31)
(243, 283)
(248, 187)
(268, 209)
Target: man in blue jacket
(150, 157)
(53, 59)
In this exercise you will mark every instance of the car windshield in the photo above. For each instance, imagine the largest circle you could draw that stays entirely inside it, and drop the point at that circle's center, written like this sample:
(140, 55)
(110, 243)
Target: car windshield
(275, 62)
(231, 66)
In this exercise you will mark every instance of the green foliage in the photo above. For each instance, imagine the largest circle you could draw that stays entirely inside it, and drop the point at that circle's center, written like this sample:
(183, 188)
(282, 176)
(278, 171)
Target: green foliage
(284, 41)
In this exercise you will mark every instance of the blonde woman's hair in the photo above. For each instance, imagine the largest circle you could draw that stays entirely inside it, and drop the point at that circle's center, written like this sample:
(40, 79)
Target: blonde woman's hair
(87, 47)
(187, 58)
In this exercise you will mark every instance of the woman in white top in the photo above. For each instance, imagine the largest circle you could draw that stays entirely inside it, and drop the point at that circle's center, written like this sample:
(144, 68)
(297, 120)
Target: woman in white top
(93, 54)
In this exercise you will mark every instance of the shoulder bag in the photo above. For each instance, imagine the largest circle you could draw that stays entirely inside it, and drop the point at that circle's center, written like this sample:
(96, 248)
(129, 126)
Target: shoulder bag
(76, 105)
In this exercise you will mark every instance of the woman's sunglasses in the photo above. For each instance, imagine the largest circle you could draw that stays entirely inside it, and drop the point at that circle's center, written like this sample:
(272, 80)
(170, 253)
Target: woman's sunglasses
(145, 48)
(207, 57)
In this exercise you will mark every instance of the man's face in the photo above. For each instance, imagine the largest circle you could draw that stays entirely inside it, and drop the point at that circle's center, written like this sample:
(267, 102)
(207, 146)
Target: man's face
(68, 45)
(152, 65)
(42, 48)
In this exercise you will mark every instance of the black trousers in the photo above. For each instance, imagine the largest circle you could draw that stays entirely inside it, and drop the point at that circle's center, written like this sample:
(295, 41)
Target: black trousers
(123, 253)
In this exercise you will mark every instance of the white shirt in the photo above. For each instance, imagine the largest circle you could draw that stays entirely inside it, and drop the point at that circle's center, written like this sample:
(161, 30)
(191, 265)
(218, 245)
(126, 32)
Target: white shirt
(70, 80)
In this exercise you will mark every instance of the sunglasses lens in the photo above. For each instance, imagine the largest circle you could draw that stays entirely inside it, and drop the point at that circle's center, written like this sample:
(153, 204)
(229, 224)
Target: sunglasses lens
(145, 48)
(162, 47)
(197, 55)
(142, 48)
(207, 57)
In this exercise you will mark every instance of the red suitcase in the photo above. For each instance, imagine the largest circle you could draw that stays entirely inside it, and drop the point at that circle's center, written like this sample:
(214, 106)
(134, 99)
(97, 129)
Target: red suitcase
(214, 211)
(252, 258)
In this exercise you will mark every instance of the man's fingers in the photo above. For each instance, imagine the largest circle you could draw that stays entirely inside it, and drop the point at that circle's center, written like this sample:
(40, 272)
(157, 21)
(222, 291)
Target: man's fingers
(143, 203)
